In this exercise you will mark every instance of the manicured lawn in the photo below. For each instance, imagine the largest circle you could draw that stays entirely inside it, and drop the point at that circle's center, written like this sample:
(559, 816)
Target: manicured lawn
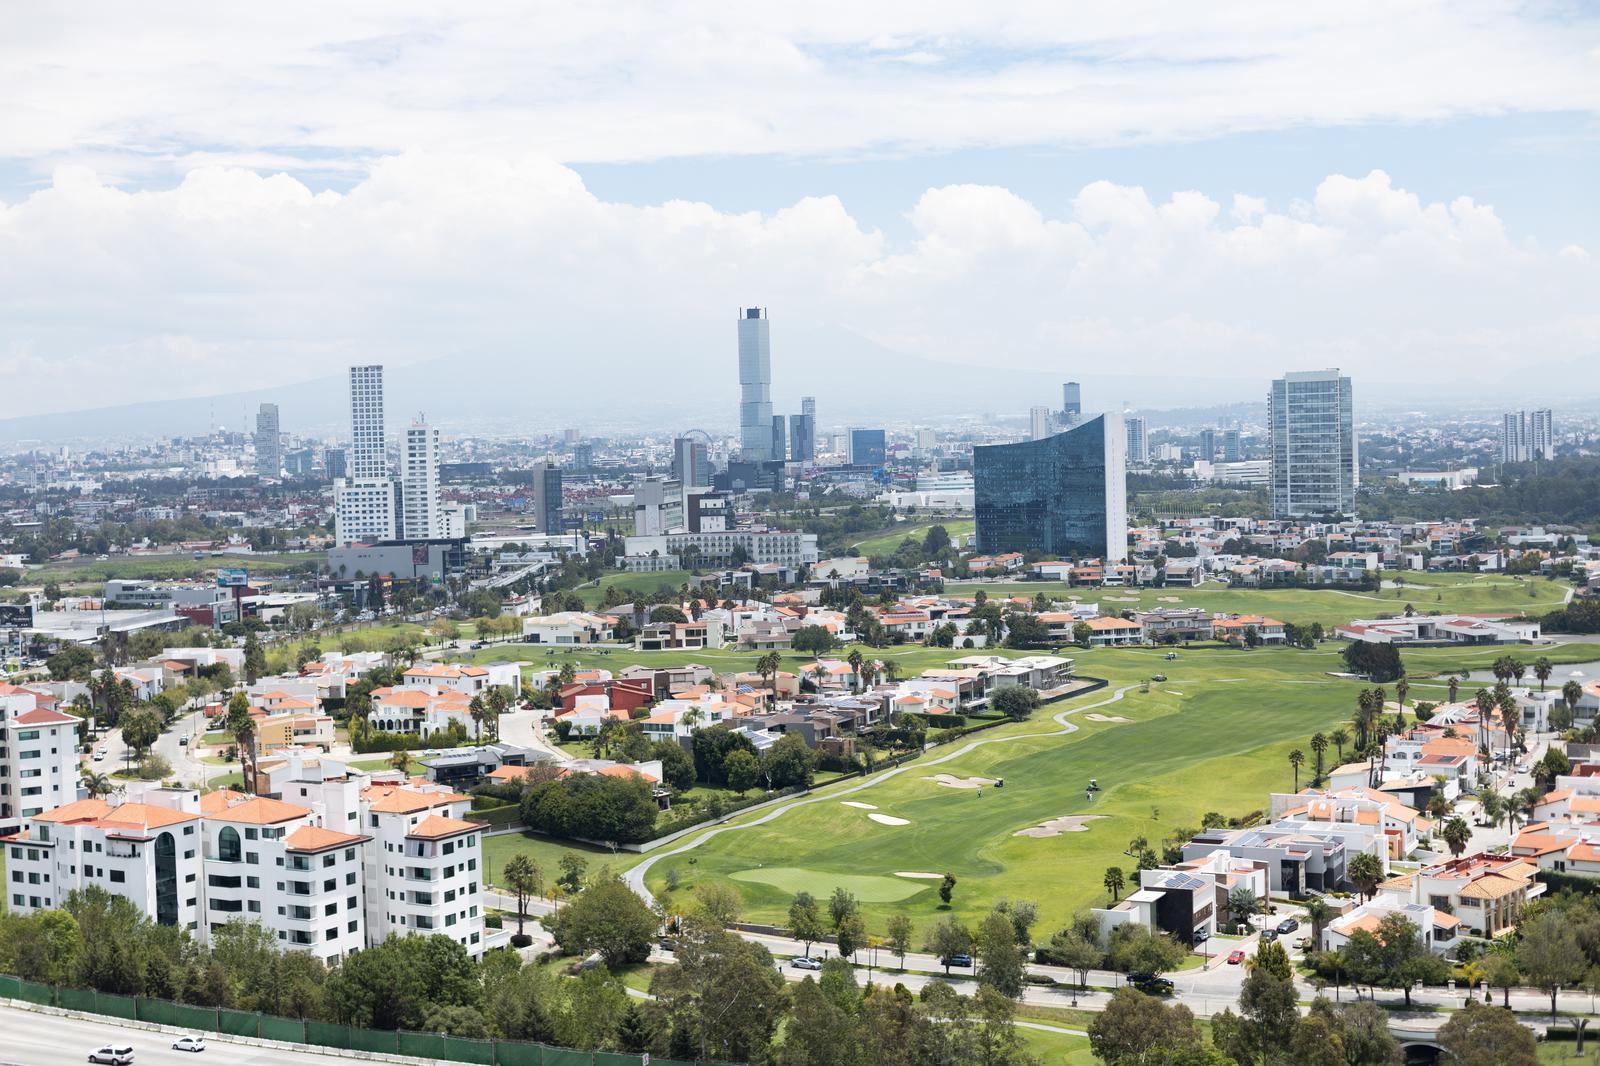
(886, 543)
(633, 584)
(173, 567)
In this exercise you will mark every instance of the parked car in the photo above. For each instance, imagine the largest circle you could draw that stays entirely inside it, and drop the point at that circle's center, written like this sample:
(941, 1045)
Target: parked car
(1151, 985)
(1158, 677)
(1235, 957)
(806, 962)
(1269, 934)
(99, 753)
(183, 742)
(1288, 925)
(113, 1054)
(196, 1044)
(1202, 935)
(956, 960)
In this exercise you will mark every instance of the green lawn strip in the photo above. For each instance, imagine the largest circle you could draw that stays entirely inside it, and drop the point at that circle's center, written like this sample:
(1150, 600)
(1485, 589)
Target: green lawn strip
(633, 584)
(886, 543)
(172, 567)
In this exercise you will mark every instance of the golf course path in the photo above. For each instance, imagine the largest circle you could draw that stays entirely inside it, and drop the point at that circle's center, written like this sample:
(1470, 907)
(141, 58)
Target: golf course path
(635, 877)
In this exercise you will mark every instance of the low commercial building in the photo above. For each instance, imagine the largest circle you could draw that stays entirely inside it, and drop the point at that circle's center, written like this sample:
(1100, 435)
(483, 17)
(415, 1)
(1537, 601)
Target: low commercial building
(1442, 629)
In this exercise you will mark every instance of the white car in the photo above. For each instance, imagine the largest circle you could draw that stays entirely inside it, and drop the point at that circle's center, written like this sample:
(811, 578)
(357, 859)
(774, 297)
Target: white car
(113, 1054)
(805, 962)
(189, 1043)
(99, 753)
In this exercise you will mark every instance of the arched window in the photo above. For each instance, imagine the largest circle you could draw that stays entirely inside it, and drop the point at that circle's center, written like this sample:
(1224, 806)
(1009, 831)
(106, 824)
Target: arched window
(167, 878)
(228, 844)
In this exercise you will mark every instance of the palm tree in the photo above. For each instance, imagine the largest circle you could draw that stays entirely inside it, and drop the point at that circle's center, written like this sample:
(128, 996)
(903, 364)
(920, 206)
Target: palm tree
(1319, 751)
(477, 710)
(1510, 716)
(1242, 903)
(854, 659)
(1365, 871)
(97, 785)
(891, 671)
(1502, 668)
(1114, 882)
(400, 760)
(1319, 914)
(1456, 834)
(1402, 687)
(1297, 759)
(1340, 737)
(1455, 688)
(1572, 692)
(1490, 803)
(1518, 668)
(1542, 669)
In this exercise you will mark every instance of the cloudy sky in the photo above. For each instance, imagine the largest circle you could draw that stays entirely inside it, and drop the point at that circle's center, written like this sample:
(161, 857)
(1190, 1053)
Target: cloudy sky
(198, 199)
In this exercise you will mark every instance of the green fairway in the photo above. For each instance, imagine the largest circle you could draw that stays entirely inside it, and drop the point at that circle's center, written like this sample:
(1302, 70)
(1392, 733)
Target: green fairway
(173, 567)
(886, 543)
(1445, 593)
(865, 887)
(633, 584)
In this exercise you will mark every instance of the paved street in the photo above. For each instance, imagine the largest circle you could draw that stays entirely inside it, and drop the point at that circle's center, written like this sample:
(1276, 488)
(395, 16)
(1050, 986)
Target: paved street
(36, 1039)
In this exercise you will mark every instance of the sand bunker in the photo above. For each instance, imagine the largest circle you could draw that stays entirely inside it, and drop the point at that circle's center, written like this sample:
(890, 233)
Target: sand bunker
(1170, 599)
(950, 781)
(919, 876)
(1173, 692)
(1076, 823)
(861, 806)
(889, 819)
(1121, 599)
(1106, 718)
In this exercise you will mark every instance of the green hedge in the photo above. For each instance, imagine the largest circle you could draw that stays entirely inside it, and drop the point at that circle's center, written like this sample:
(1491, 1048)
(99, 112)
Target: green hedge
(503, 815)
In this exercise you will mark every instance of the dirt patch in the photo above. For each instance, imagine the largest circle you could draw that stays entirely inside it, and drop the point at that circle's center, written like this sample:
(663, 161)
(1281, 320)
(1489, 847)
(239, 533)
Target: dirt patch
(1107, 718)
(1121, 599)
(1170, 599)
(1075, 823)
(859, 805)
(919, 876)
(888, 819)
(951, 781)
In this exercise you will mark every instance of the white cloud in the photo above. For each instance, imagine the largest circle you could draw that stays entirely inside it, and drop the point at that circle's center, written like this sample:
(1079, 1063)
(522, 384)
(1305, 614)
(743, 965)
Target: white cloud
(231, 280)
(319, 87)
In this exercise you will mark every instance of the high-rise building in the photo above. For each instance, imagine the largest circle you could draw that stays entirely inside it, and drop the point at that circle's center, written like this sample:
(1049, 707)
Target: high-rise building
(269, 442)
(691, 466)
(546, 498)
(755, 386)
(1315, 456)
(1527, 436)
(1065, 495)
(802, 439)
(420, 516)
(1071, 403)
(1208, 445)
(1138, 444)
(1232, 451)
(868, 447)
(335, 463)
(1038, 423)
(780, 438)
(364, 500)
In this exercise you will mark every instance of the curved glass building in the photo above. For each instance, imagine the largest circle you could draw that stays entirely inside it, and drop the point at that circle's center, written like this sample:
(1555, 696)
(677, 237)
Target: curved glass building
(1064, 495)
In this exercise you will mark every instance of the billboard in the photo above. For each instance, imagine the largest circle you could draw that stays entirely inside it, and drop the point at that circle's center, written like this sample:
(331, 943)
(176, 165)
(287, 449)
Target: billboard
(16, 616)
(232, 578)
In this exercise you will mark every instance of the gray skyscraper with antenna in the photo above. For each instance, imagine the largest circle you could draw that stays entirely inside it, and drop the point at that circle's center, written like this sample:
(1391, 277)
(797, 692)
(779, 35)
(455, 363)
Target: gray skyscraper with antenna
(755, 386)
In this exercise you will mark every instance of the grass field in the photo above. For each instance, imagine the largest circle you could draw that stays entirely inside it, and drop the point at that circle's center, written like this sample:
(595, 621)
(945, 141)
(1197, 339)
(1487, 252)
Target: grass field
(173, 567)
(1445, 593)
(886, 543)
(632, 583)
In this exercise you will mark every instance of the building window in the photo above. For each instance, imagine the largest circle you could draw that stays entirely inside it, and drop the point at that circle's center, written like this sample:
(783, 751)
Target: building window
(228, 844)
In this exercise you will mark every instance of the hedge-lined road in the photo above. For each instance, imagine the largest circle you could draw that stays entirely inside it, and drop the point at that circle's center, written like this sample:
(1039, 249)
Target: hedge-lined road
(38, 1039)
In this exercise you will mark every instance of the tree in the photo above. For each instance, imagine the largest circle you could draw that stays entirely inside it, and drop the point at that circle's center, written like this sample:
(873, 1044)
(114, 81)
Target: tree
(524, 878)
(789, 763)
(1478, 1035)
(255, 659)
(719, 902)
(1340, 737)
(242, 728)
(1456, 834)
(1365, 870)
(607, 917)
(805, 919)
(1267, 1004)
(1548, 953)
(1501, 972)
(1571, 692)
(721, 999)
(947, 888)
(813, 640)
(97, 785)
(1542, 669)
(1297, 759)
(900, 936)
(140, 730)
(1378, 662)
(1135, 1028)
(1114, 881)
(1242, 903)
(1551, 765)
(1319, 913)
(743, 771)
(1319, 751)
(572, 867)
(850, 934)
(1135, 949)
(1001, 964)
(1015, 701)
(1082, 633)
(948, 939)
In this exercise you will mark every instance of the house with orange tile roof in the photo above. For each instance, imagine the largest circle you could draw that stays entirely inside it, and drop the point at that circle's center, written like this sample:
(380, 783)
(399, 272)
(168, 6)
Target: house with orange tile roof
(1438, 929)
(1486, 892)
(473, 679)
(421, 710)
(1233, 629)
(38, 755)
(1110, 632)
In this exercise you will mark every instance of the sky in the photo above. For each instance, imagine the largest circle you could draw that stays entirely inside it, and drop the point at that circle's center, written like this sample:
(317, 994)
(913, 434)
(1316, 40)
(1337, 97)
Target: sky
(200, 200)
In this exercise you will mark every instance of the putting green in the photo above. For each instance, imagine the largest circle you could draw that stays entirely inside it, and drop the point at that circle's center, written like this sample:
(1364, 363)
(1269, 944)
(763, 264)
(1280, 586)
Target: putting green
(867, 888)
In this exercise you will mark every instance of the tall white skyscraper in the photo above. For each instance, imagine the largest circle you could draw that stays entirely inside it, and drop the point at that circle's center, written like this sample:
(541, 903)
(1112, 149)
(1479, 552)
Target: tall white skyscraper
(1315, 456)
(755, 386)
(269, 442)
(1038, 423)
(420, 516)
(364, 504)
(1138, 450)
(1527, 436)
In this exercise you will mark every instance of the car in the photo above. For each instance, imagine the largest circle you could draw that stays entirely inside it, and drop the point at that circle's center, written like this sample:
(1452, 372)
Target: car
(113, 1054)
(806, 962)
(1202, 935)
(183, 742)
(666, 943)
(1269, 934)
(1152, 986)
(99, 753)
(956, 960)
(1288, 925)
(196, 1044)
(1158, 677)
(1235, 957)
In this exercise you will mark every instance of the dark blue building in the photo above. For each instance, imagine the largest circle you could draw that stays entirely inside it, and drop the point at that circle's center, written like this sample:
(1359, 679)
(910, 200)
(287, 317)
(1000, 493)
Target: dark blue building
(868, 447)
(1064, 495)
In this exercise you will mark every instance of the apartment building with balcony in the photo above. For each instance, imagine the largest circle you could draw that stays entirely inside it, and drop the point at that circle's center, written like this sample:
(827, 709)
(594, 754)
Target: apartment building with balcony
(425, 863)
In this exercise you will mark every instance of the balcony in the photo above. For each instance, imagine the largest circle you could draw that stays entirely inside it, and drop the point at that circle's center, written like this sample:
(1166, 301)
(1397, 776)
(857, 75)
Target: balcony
(418, 873)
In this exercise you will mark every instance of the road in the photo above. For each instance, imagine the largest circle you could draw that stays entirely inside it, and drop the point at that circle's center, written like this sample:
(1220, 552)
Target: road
(35, 1039)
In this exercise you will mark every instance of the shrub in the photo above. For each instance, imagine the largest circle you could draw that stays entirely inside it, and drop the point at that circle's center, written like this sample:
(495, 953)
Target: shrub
(520, 940)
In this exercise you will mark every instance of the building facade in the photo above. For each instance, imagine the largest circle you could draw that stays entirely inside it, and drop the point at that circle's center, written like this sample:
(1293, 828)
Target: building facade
(420, 516)
(755, 385)
(1315, 456)
(1527, 436)
(1138, 439)
(364, 501)
(868, 447)
(268, 442)
(1064, 495)
(547, 498)
(38, 756)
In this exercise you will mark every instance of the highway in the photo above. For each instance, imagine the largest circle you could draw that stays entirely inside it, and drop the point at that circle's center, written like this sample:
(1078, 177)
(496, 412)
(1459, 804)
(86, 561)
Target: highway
(36, 1039)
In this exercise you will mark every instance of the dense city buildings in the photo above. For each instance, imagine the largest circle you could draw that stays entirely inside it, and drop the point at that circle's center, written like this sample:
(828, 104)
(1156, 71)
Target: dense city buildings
(1065, 495)
(1315, 457)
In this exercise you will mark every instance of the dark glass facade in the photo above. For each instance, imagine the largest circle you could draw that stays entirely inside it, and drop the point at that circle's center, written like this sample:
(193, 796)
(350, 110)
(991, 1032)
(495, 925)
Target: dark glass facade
(1059, 495)
(868, 447)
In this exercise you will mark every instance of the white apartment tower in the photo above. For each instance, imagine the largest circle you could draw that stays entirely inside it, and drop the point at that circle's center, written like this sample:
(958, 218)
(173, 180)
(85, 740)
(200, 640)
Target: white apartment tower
(1527, 436)
(755, 385)
(1039, 423)
(269, 442)
(1311, 423)
(364, 501)
(1138, 439)
(38, 756)
(421, 517)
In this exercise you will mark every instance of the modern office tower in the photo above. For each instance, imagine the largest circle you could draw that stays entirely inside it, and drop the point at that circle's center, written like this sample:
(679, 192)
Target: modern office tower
(1138, 445)
(1232, 451)
(546, 498)
(1065, 495)
(1208, 445)
(755, 386)
(364, 500)
(780, 438)
(269, 442)
(1071, 403)
(808, 407)
(335, 463)
(802, 441)
(868, 447)
(1038, 423)
(691, 467)
(420, 517)
(1526, 436)
(1315, 456)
